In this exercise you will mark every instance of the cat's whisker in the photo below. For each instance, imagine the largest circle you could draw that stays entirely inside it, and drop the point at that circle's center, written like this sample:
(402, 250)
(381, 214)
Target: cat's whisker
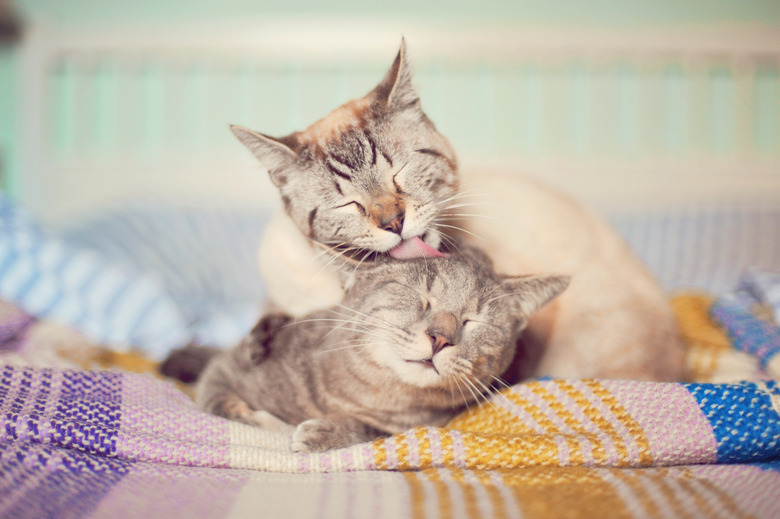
(451, 242)
(392, 326)
(499, 380)
(456, 378)
(498, 392)
(338, 255)
(472, 389)
(454, 194)
(460, 389)
(460, 229)
(449, 207)
(459, 202)
(454, 216)
(362, 345)
(366, 255)
(490, 394)
(329, 248)
(363, 325)
(502, 383)
(510, 294)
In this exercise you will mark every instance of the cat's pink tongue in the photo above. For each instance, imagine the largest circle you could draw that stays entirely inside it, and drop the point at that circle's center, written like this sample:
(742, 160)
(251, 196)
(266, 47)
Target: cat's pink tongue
(414, 248)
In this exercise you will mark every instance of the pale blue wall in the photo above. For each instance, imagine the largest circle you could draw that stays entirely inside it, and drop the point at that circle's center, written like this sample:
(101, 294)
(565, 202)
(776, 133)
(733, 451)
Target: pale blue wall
(596, 12)
(535, 133)
(8, 157)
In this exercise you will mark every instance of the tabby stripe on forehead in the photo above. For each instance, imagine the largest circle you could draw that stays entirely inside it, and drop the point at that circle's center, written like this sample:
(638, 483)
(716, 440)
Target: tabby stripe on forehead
(387, 158)
(337, 172)
(434, 153)
(344, 162)
(373, 148)
(428, 151)
(312, 216)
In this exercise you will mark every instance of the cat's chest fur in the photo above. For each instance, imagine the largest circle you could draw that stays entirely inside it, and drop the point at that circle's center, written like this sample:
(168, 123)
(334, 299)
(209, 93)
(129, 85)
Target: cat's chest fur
(300, 278)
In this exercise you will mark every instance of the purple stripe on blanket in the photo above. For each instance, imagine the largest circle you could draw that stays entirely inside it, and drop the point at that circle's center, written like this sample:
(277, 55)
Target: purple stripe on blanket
(751, 488)
(14, 324)
(157, 490)
(44, 481)
(671, 420)
(162, 424)
(75, 409)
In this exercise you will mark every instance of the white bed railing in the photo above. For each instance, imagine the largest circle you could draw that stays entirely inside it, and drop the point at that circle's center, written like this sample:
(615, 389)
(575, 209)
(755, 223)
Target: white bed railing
(619, 118)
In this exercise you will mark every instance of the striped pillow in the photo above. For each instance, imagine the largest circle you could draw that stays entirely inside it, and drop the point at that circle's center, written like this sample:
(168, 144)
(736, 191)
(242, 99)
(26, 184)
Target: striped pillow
(205, 256)
(105, 300)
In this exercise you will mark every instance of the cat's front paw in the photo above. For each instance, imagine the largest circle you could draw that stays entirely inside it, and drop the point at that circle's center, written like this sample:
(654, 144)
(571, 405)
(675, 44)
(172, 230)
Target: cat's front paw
(320, 435)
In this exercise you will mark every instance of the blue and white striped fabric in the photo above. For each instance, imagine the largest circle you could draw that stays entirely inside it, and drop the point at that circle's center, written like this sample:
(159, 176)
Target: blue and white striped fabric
(108, 302)
(206, 257)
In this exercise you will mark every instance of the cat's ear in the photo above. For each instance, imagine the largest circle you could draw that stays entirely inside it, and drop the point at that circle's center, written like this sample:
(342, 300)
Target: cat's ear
(527, 294)
(272, 153)
(396, 89)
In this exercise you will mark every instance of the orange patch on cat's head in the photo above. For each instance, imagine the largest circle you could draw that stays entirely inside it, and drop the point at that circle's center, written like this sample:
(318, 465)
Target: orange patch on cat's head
(330, 129)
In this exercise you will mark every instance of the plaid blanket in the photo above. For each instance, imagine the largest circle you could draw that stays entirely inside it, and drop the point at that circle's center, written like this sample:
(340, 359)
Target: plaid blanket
(79, 440)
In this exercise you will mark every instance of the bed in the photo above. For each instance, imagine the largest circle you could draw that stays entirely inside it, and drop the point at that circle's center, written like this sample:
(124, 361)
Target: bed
(97, 285)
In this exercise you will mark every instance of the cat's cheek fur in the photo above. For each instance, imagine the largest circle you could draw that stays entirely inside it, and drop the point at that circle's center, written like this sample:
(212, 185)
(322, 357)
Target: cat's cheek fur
(378, 240)
(415, 223)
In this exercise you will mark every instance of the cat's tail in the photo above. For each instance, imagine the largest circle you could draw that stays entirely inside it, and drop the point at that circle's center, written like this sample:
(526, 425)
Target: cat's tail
(187, 363)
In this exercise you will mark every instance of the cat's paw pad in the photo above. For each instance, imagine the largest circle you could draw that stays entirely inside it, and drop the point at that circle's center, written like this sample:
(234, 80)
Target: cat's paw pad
(315, 435)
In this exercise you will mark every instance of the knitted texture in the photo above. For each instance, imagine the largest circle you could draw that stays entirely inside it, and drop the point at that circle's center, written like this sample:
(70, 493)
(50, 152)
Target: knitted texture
(83, 443)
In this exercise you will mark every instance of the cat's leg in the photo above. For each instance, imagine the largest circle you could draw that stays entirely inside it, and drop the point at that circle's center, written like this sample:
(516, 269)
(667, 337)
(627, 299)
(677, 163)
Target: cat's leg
(256, 346)
(323, 434)
(229, 405)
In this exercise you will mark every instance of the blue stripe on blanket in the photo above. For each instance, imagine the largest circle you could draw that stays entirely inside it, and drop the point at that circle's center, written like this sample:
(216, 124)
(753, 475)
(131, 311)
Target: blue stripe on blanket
(748, 333)
(44, 481)
(773, 465)
(742, 417)
(87, 407)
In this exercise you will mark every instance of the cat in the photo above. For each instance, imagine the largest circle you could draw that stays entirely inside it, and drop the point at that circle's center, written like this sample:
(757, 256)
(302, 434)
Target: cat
(413, 343)
(375, 178)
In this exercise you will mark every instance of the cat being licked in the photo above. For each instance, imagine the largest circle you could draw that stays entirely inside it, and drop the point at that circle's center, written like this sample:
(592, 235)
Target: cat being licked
(413, 343)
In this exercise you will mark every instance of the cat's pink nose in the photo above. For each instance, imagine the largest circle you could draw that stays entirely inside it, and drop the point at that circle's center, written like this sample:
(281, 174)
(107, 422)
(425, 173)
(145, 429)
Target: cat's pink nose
(439, 342)
(443, 331)
(394, 224)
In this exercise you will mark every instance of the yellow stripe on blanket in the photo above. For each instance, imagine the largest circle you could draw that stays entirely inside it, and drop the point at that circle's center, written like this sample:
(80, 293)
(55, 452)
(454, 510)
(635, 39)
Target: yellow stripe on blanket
(710, 356)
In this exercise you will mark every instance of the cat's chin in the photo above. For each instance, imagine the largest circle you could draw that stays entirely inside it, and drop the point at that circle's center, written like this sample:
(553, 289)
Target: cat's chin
(420, 374)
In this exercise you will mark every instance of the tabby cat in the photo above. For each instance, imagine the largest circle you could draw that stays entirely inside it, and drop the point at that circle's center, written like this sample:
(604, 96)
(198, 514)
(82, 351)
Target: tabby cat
(413, 343)
(375, 178)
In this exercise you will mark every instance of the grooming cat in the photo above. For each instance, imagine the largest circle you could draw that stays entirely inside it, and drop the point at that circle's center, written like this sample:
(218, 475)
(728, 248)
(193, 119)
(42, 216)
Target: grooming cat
(374, 177)
(413, 343)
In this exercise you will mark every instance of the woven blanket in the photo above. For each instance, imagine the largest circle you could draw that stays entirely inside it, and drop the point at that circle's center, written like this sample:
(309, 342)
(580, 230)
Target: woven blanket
(97, 442)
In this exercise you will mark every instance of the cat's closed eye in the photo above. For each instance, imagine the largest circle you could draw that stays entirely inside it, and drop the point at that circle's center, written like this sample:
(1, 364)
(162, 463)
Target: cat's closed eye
(396, 185)
(358, 206)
